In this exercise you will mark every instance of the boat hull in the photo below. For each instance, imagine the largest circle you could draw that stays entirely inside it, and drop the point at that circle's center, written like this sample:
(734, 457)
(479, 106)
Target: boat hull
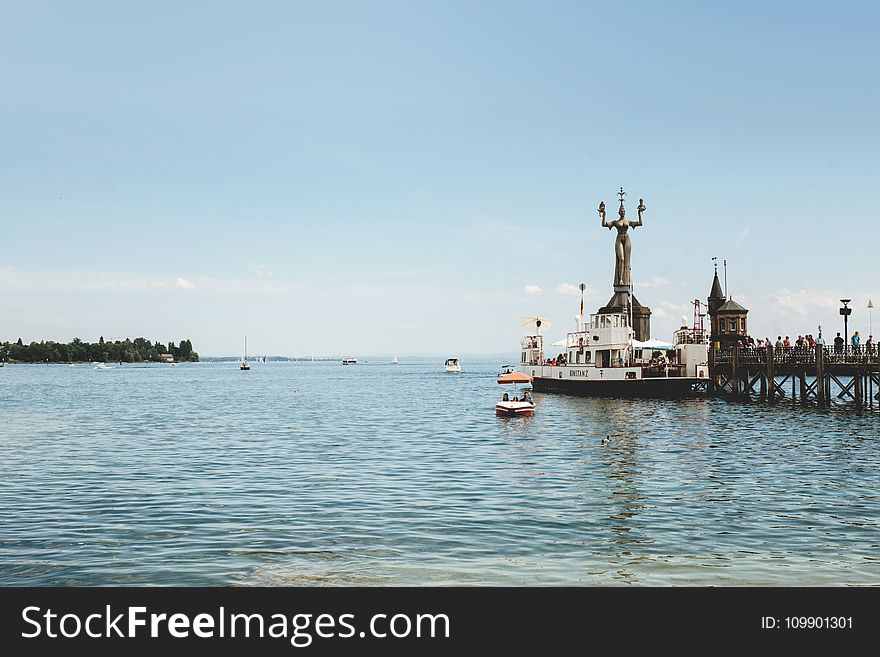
(514, 408)
(660, 388)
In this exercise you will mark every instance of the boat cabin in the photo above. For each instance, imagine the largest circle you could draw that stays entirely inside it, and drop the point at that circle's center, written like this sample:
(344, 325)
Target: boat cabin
(604, 341)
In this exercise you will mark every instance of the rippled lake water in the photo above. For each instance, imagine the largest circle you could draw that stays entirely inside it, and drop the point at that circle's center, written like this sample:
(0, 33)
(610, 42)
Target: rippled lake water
(318, 473)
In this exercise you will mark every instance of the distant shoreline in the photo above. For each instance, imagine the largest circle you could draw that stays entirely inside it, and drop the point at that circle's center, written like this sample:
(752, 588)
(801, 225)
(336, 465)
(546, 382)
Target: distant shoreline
(139, 350)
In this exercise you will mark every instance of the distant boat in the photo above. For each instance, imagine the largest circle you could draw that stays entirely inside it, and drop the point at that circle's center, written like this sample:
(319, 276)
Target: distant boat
(244, 365)
(349, 361)
(394, 360)
(102, 366)
(452, 365)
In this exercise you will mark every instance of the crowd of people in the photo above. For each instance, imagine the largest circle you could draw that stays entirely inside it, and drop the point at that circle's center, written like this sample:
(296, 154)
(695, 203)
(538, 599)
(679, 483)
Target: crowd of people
(559, 360)
(807, 342)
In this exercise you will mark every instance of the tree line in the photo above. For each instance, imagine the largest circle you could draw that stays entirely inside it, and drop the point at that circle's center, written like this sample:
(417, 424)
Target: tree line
(139, 350)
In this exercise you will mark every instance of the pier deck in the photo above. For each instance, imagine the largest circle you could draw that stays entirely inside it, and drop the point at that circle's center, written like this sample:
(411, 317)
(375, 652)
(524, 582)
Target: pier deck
(814, 374)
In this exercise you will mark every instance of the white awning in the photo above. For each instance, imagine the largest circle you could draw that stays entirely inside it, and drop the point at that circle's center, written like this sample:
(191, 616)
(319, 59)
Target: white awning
(653, 344)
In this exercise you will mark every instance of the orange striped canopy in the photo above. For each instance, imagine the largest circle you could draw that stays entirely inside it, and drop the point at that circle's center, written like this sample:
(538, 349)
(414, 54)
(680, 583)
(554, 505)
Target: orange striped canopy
(514, 377)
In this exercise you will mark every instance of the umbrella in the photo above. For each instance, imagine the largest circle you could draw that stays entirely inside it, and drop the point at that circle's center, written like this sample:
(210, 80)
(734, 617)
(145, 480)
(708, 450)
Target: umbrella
(514, 377)
(537, 323)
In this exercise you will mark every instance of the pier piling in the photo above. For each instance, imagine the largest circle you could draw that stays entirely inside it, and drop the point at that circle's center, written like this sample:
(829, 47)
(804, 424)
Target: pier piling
(743, 372)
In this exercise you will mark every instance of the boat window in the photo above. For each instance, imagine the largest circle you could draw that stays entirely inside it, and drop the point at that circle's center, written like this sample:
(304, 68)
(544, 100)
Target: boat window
(588, 356)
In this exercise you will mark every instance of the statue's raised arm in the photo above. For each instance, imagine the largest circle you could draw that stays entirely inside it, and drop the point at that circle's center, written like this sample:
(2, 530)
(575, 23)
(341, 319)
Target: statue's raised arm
(640, 209)
(605, 224)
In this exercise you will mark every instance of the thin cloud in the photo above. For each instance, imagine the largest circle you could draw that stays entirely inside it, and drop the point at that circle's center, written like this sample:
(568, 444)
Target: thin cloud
(259, 270)
(667, 309)
(656, 281)
(184, 284)
(568, 290)
(532, 289)
(804, 303)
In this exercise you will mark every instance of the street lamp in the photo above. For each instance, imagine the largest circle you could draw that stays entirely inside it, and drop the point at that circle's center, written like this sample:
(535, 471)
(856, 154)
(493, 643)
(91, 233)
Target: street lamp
(583, 287)
(845, 311)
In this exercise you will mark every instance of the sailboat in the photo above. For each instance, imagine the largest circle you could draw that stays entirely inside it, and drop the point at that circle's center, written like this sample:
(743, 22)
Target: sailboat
(394, 360)
(244, 365)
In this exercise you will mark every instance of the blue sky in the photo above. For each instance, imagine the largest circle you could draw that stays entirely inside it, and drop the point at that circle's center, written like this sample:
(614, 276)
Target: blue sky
(370, 178)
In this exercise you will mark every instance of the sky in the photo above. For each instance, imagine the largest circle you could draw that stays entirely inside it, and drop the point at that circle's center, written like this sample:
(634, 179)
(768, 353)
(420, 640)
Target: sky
(367, 178)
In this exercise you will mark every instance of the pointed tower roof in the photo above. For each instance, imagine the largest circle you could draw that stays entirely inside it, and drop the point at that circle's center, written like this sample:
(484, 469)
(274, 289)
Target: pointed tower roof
(732, 307)
(717, 292)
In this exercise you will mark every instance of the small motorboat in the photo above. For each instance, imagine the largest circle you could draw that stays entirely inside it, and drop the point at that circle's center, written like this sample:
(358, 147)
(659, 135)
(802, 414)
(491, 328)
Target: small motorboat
(452, 365)
(515, 404)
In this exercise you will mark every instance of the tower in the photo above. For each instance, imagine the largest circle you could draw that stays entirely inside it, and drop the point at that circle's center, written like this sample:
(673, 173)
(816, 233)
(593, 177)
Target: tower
(727, 317)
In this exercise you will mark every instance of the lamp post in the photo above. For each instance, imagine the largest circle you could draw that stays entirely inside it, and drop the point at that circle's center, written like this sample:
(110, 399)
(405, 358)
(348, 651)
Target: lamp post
(845, 311)
(583, 287)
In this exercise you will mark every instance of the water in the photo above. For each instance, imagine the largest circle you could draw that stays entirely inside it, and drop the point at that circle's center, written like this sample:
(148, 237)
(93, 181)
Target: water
(318, 473)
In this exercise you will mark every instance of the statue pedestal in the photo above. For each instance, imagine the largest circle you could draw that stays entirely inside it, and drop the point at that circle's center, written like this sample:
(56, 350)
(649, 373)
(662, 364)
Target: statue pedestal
(641, 315)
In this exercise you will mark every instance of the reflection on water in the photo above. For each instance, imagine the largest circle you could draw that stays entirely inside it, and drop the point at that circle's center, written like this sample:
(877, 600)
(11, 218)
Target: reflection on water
(321, 474)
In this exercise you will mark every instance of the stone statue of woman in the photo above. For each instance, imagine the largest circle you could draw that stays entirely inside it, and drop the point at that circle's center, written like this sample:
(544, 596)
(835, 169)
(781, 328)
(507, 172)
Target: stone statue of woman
(622, 246)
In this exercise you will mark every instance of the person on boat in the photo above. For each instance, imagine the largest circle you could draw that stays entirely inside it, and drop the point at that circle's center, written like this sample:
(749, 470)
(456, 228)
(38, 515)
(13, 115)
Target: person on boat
(506, 397)
(527, 396)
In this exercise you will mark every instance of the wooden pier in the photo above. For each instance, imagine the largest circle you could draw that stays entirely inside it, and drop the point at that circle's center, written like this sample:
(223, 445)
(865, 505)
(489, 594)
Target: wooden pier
(820, 374)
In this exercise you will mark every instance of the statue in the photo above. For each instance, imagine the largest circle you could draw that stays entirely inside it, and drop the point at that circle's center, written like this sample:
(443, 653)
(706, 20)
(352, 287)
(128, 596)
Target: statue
(622, 246)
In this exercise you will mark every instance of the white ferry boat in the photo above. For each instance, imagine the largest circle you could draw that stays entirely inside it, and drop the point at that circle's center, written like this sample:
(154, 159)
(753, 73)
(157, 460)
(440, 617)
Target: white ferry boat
(602, 358)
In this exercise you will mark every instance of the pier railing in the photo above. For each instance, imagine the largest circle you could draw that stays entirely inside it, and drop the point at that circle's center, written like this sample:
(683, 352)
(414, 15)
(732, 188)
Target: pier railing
(820, 372)
(799, 355)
